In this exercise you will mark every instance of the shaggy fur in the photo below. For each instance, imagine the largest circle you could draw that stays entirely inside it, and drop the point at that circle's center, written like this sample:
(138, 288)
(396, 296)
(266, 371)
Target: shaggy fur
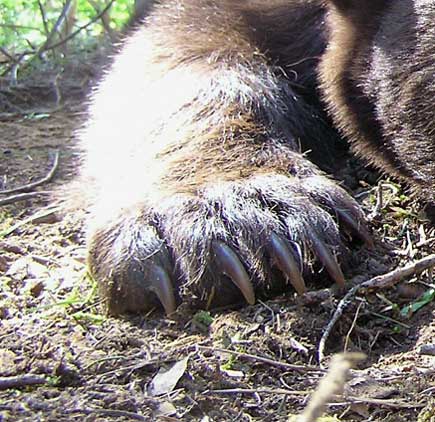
(197, 138)
(378, 76)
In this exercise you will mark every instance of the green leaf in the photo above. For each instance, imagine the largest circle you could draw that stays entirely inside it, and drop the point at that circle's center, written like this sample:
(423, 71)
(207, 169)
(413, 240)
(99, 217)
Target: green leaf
(423, 300)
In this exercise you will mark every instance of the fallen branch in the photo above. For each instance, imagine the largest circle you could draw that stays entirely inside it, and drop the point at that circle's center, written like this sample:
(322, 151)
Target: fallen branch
(283, 365)
(379, 282)
(280, 391)
(347, 400)
(21, 381)
(21, 197)
(38, 216)
(110, 413)
(30, 186)
(393, 404)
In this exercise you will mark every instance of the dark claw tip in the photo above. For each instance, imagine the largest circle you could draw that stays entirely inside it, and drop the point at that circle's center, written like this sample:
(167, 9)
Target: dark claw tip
(286, 262)
(328, 260)
(161, 285)
(356, 226)
(230, 265)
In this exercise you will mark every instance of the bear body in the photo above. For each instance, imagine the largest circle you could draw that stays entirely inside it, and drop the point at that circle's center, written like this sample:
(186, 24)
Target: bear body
(202, 136)
(378, 76)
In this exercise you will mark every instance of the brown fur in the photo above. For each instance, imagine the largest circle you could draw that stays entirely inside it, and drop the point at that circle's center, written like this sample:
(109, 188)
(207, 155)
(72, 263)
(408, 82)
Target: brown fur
(216, 96)
(199, 135)
(378, 79)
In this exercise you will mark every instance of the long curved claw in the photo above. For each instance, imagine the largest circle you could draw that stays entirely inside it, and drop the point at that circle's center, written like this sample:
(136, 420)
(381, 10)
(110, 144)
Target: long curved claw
(328, 260)
(230, 265)
(286, 262)
(161, 285)
(357, 227)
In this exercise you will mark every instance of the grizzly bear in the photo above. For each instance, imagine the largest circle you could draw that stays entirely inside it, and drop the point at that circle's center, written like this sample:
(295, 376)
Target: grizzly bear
(208, 139)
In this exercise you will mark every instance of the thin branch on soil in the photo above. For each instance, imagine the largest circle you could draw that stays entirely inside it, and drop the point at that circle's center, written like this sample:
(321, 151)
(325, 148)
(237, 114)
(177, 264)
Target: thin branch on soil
(21, 197)
(395, 404)
(379, 282)
(347, 341)
(5, 117)
(283, 365)
(379, 203)
(42, 214)
(277, 391)
(21, 381)
(30, 186)
(110, 413)
(133, 367)
(348, 400)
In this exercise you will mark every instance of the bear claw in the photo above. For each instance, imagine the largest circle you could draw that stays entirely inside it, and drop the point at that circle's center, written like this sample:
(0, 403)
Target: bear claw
(287, 264)
(356, 226)
(231, 266)
(327, 259)
(161, 285)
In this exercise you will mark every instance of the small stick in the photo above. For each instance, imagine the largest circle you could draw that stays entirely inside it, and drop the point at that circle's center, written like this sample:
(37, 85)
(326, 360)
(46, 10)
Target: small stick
(283, 365)
(45, 212)
(110, 413)
(21, 381)
(30, 186)
(395, 404)
(379, 282)
(280, 391)
(21, 197)
(399, 404)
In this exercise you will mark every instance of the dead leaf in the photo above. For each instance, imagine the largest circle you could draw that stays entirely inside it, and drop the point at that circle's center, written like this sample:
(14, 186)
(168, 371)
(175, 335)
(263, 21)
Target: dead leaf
(165, 409)
(7, 362)
(166, 379)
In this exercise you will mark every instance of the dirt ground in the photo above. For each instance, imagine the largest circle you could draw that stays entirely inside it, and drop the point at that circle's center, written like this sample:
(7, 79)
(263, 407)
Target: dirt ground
(62, 359)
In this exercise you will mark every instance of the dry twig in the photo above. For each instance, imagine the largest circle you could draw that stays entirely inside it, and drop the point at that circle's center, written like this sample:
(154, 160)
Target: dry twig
(277, 391)
(37, 217)
(379, 282)
(21, 381)
(30, 186)
(283, 365)
(111, 413)
(21, 197)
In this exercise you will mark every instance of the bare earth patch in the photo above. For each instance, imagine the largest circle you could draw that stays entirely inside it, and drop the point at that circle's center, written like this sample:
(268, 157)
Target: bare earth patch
(62, 359)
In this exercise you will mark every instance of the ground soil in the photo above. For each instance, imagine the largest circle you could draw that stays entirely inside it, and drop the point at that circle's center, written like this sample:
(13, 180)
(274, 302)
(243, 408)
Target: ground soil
(90, 367)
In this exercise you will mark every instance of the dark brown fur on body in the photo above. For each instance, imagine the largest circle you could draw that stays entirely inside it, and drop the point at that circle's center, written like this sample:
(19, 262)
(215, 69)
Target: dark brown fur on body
(194, 144)
(378, 75)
